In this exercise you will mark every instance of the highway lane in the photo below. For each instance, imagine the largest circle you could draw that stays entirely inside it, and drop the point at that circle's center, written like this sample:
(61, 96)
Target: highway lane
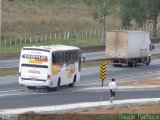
(24, 99)
(15, 63)
(9, 63)
(13, 95)
(92, 74)
(89, 56)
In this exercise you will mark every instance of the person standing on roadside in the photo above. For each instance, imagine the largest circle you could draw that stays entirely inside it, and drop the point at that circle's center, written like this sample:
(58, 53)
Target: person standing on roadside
(113, 88)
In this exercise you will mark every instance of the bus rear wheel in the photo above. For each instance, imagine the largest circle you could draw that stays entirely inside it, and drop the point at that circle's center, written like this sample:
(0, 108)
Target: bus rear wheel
(74, 80)
(58, 85)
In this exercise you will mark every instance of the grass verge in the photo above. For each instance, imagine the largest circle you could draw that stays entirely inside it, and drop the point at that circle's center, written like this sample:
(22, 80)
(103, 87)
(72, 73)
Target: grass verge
(144, 112)
(8, 72)
(154, 57)
(90, 64)
(14, 71)
(79, 42)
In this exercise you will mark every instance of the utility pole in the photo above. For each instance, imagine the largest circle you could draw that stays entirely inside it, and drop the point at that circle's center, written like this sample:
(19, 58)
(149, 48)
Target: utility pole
(0, 21)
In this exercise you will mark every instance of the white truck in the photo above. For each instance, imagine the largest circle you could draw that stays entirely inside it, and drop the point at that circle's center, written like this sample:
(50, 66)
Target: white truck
(128, 47)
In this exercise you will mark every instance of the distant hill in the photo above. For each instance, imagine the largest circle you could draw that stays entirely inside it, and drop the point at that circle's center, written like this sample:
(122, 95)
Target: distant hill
(24, 17)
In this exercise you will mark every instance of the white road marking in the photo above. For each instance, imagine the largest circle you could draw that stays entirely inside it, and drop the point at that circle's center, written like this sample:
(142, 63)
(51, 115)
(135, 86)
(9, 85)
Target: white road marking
(131, 75)
(150, 72)
(121, 76)
(141, 73)
(7, 83)
(88, 73)
(119, 88)
(22, 93)
(12, 91)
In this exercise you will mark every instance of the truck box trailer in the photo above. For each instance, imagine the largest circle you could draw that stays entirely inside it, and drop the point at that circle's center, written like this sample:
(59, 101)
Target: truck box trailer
(128, 47)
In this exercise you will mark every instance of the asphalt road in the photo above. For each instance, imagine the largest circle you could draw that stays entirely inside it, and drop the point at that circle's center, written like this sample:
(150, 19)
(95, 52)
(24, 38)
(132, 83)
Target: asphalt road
(21, 100)
(92, 74)
(89, 56)
(15, 63)
(13, 95)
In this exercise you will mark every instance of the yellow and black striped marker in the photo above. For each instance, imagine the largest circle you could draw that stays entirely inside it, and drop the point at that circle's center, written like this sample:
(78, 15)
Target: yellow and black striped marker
(103, 71)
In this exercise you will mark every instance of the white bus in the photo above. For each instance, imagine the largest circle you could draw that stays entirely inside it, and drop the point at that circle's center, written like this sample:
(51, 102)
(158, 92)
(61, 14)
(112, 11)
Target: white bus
(49, 66)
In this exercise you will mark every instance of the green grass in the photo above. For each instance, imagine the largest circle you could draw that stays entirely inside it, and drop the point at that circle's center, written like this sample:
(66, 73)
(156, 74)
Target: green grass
(90, 64)
(8, 72)
(79, 42)
(154, 57)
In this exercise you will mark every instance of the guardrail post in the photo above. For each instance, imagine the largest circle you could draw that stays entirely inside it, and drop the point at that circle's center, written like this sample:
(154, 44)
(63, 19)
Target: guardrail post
(15, 41)
(86, 33)
(95, 32)
(25, 40)
(10, 42)
(98, 32)
(45, 37)
(20, 40)
(50, 37)
(55, 36)
(30, 39)
(5, 42)
(59, 35)
(68, 35)
(91, 33)
(41, 39)
(36, 38)
(64, 35)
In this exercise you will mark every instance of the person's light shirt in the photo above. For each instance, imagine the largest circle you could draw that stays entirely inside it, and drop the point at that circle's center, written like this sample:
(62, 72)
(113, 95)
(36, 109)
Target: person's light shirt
(112, 85)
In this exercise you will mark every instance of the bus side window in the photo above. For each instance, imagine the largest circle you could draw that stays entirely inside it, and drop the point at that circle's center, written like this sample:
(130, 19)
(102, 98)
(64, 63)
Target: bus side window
(66, 57)
(71, 57)
(76, 55)
(63, 57)
(53, 58)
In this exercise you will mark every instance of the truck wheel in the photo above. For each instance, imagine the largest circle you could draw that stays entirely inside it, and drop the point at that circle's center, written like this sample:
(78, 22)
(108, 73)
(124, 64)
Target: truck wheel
(74, 80)
(135, 64)
(58, 85)
(130, 64)
(148, 60)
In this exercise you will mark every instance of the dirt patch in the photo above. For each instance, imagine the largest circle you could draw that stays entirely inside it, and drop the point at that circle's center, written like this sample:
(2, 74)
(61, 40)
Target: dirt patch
(7, 56)
(96, 113)
(147, 109)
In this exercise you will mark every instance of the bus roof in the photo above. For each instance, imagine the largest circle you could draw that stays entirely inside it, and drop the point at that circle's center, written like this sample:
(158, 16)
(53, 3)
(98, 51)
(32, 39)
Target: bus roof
(53, 48)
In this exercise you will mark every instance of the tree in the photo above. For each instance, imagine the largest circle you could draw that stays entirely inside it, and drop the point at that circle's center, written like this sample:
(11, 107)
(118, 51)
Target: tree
(153, 11)
(140, 11)
(102, 10)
